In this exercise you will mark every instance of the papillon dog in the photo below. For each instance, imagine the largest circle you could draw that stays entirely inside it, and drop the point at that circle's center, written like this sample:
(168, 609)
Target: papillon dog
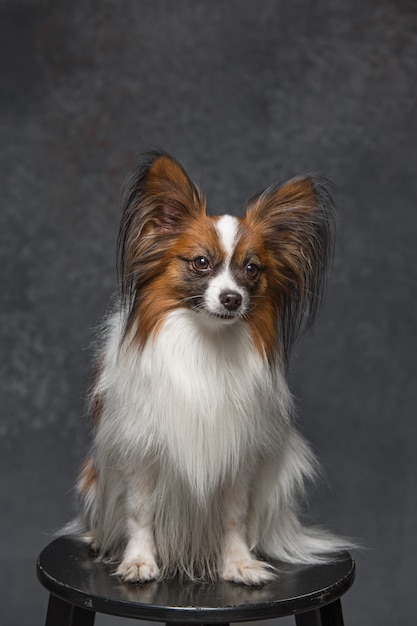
(196, 466)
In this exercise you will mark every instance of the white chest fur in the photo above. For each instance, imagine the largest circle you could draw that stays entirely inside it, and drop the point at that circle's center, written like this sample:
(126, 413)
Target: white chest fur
(196, 399)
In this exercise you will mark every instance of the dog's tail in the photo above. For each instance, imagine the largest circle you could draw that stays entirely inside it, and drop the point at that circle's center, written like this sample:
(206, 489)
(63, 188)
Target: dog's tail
(277, 531)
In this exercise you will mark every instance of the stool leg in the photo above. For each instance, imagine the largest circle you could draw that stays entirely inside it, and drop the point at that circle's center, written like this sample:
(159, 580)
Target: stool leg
(329, 615)
(61, 613)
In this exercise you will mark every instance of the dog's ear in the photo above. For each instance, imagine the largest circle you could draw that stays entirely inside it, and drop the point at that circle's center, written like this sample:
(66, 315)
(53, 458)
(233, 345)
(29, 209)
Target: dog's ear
(296, 221)
(160, 196)
(159, 202)
(166, 193)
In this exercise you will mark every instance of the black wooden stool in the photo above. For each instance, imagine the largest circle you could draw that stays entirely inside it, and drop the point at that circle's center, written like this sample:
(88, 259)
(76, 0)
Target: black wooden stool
(80, 587)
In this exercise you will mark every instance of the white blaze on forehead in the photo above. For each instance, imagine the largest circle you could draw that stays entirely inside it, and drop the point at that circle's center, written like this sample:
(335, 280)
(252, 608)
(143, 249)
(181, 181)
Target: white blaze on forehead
(227, 229)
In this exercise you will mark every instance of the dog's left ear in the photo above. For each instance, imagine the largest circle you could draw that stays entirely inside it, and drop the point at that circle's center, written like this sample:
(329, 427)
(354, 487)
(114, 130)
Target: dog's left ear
(296, 218)
(296, 222)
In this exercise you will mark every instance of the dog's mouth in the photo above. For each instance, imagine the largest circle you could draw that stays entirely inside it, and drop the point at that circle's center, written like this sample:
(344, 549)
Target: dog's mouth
(199, 306)
(226, 316)
(221, 318)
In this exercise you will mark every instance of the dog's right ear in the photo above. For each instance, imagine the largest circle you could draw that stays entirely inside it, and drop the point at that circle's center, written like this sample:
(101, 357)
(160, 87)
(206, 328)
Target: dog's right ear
(160, 196)
(159, 202)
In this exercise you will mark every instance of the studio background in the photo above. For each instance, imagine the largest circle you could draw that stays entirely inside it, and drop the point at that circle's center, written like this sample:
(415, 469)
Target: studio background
(243, 93)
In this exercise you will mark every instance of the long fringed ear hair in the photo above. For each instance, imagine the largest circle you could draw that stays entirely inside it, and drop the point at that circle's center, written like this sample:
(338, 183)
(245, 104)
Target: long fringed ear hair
(159, 197)
(297, 223)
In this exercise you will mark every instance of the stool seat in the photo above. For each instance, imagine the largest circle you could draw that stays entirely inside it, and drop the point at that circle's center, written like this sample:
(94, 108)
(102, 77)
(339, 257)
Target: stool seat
(80, 586)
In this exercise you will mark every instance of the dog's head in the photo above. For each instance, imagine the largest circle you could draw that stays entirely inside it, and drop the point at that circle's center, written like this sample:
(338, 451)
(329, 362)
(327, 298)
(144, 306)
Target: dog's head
(265, 269)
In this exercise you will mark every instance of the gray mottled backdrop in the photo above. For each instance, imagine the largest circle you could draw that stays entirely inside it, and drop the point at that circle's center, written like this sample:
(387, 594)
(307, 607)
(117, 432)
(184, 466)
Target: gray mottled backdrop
(243, 93)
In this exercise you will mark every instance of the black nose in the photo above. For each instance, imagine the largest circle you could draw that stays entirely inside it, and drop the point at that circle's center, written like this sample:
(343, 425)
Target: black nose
(231, 300)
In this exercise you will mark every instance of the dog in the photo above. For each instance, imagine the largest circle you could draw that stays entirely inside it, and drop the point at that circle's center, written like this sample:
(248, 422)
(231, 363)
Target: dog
(196, 467)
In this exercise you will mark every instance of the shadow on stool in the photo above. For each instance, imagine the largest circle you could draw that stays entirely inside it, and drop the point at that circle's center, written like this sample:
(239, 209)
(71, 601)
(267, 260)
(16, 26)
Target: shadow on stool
(80, 587)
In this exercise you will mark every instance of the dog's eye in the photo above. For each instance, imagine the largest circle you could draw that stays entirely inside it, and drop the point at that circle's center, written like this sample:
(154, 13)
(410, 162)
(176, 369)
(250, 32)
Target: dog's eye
(201, 264)
(252, 270)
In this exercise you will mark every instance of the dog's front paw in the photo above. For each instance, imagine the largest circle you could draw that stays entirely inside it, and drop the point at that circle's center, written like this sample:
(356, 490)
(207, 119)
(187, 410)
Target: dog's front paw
(139, 570)
(248, 572)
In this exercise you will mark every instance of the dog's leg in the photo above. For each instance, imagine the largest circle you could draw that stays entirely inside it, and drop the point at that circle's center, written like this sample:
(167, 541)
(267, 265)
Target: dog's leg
(139, 558)
(238, 563)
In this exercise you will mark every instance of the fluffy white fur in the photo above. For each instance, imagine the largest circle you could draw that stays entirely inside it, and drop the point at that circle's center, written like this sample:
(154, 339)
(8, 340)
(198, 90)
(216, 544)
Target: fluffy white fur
(200, 463)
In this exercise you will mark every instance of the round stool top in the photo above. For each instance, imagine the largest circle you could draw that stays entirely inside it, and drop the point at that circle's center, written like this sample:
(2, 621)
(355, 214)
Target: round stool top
(68, 570)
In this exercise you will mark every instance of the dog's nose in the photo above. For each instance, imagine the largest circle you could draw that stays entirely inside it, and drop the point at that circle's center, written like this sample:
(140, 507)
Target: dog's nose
(231, 300)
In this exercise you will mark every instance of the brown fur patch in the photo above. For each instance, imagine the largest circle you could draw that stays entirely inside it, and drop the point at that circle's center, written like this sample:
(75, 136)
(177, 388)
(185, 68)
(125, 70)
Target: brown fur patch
(295, 221)
(160, 205)
(171, 288)
(87, 476)
(262, 316)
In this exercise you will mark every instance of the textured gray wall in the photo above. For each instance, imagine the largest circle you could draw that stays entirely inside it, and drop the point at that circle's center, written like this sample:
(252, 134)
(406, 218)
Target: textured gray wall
(243, 93)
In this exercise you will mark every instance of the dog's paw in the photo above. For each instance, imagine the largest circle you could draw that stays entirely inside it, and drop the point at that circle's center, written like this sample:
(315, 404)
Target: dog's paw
(248, 572)
(138, 570)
